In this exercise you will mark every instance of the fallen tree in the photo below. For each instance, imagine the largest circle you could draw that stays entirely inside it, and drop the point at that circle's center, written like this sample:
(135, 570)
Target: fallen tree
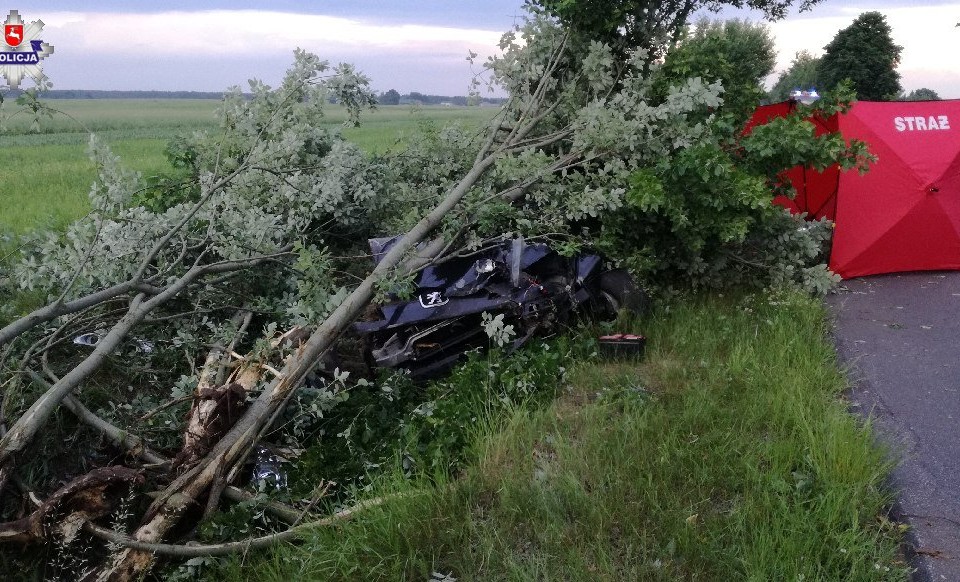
(263, 220)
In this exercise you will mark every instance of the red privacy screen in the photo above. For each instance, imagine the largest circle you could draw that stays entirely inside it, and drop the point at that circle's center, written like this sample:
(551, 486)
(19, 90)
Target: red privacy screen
(904, 214)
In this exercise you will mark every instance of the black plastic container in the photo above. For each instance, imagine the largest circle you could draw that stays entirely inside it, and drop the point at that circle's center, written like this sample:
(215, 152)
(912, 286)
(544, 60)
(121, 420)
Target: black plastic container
(622, 345)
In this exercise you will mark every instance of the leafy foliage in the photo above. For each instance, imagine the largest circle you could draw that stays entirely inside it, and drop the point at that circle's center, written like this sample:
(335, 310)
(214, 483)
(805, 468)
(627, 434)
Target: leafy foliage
(668, 185)
(624, 141)
(644, 160)
(865, 53)
(485, 388)
(272, 180)
(601, 144)
(302, 177)
(736, 53)
(633, 24)
(702, 215)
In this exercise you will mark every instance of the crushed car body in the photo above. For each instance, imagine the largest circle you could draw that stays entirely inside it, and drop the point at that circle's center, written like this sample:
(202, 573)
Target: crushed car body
(534, 287)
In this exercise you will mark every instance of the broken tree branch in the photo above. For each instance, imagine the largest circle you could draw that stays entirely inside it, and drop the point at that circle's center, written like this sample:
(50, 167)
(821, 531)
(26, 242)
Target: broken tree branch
(228, 548)
(189, 487)
(138, 447)
(54, 310)
(26, 427)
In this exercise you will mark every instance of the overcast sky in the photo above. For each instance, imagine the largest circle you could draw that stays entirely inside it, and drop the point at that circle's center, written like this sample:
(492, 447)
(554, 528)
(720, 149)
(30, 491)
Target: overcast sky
(418, 45)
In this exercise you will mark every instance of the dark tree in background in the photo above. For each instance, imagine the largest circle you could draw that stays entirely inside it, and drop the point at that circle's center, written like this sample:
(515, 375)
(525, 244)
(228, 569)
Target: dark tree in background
(390, 97)
(922, 94)
(865, 53)
(802, 74)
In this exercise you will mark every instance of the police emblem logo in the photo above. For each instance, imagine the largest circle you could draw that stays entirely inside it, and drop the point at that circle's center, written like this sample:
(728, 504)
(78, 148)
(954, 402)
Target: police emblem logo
(22, 50)
(13, 34)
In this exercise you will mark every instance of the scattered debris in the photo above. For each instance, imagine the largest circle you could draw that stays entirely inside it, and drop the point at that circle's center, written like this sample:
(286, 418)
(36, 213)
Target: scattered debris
(93, 338)
(87, 339)
(63, 514)
(267, 468)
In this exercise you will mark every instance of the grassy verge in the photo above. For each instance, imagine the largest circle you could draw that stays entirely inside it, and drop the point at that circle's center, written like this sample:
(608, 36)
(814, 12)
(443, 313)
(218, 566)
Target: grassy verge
(726, 454)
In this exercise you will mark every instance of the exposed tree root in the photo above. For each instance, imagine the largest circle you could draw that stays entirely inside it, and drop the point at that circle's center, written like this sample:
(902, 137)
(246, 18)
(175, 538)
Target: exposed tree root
(85, 498)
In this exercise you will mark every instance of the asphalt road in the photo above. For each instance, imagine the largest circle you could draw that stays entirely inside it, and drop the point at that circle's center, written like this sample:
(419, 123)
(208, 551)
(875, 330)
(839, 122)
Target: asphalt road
(900, 337)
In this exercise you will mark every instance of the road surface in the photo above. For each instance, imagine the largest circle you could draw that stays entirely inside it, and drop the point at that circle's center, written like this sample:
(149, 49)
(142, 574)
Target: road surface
(899, 335)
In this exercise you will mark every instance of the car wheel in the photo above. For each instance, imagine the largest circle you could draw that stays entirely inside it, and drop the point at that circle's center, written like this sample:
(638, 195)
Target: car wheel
(619, 291)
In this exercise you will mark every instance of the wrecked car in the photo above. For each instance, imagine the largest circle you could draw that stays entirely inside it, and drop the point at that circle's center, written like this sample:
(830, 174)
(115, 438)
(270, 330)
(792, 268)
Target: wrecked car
(537, 290)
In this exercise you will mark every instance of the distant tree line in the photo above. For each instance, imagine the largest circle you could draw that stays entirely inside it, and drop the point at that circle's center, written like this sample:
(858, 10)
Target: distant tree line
(393, 97)
(100, 94)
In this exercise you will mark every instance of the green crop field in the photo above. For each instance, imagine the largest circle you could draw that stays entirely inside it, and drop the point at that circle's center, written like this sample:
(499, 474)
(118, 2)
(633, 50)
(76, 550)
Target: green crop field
(45, 173)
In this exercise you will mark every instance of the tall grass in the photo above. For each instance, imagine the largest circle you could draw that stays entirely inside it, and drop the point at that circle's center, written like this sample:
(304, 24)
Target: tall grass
(727, 455)
(46, 186)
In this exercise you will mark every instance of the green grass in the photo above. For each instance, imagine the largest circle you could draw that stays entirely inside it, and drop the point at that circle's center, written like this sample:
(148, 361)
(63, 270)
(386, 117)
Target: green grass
(45, 175)
(727, 455)
(383, 128)
(46, 186)
(81, 116)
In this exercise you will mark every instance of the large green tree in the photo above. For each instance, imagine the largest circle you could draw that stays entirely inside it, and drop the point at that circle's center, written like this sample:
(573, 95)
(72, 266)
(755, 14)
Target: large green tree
(391, 97)
(655, 26)
(803, 73)
(737, 53)
(865, 53)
